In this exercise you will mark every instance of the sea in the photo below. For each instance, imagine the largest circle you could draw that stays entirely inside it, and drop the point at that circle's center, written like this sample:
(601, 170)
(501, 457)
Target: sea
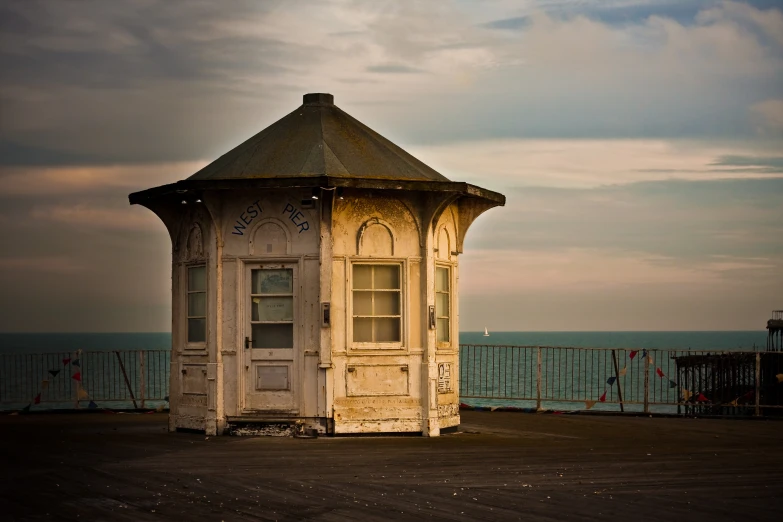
(715, 340)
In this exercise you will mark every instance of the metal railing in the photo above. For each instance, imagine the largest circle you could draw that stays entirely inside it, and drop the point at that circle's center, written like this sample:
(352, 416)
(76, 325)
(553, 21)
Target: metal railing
(119, 379)
(651, 381)
(777, 315)
(560, 378)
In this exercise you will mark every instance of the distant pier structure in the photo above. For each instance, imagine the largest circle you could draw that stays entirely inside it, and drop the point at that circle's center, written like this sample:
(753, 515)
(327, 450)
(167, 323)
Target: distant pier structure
(775, 332)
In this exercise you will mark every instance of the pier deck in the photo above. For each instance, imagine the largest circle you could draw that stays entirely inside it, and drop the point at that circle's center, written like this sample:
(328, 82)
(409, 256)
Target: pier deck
(501, 466)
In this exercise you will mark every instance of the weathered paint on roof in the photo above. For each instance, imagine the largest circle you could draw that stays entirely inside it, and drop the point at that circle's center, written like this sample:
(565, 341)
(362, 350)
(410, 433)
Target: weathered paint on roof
(318, 139)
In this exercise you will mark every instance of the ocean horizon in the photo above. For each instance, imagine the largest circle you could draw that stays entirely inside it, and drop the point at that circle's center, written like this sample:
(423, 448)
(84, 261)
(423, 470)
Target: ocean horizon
(23, 342)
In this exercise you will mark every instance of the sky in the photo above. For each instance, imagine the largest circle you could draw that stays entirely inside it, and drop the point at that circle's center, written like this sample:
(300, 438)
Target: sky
(639, 144)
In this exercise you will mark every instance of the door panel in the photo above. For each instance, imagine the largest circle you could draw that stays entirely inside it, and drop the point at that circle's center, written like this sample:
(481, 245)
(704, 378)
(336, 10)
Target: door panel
(271, 354)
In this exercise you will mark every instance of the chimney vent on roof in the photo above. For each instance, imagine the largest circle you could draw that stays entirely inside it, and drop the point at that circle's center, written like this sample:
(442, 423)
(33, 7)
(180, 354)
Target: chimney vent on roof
(318, 98)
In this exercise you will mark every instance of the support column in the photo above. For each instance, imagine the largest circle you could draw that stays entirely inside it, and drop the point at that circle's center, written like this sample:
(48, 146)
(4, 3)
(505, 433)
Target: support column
(326, 252)
(429, 370)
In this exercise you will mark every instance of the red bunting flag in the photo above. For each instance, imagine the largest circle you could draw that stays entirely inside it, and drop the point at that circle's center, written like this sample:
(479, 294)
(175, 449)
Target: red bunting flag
(633, 354)
(659, 372)
(602, 398)
(75, 362)
(37, 399)
(702, 398)
(77, 376)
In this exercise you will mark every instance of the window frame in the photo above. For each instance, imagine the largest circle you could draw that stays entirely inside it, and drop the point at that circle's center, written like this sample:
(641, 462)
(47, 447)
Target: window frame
(195, 345)
(450, 307)
(401, 292)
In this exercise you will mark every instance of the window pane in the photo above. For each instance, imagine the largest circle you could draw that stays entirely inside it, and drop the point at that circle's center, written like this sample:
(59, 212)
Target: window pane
(443, 330)
(362, 303)
(362, 276)
(387, 330)
(387, 276)
(441, 279)
(197, 330)
(273, 335)
(273, 309)
(442, 305)
(273, 281)
(197, 304)
(272, 378)
(362, 330)
(197, 278)
(387, 303)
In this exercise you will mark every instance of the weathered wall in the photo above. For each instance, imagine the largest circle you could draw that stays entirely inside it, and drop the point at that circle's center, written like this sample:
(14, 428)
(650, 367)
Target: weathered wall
(376, 388)
(410, 385)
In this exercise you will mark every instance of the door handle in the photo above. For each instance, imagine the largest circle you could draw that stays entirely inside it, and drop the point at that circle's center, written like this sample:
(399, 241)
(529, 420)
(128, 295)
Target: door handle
(247, 342)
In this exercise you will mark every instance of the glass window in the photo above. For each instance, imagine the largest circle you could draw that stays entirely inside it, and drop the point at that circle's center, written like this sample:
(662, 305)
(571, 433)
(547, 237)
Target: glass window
(272, 308)
(377, 304)
(197, 304)
(442, 303)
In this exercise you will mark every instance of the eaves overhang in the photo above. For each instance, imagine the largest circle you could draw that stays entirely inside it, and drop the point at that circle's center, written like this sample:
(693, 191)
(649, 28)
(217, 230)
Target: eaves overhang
(202, 187)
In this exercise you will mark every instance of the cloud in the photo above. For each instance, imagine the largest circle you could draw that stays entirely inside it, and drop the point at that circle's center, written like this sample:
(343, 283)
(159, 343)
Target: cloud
(152, 82)
(771, 163)
(51, 180)
(97, 217)
(580, 270)
(509, 163)
(768, 116)
(53, 264)
(392, 68)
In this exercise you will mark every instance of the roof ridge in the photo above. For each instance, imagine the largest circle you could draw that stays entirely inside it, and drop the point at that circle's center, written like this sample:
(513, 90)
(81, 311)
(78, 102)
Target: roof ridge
(326, 146)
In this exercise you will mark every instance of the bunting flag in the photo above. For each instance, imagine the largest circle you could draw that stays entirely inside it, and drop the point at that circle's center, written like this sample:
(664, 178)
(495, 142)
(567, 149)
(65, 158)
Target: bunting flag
(66, 360)
(54, 373)
(686, 395)
(633, 354)
(659, 372)
(748, 395)
(610, 380)
(92, 405)
(37, 399)
(26, 408)
(44, 384)
(82, 394)
(672, 384)
(75, 362)
(77, 376)
(589, 404)
(733, 403)
(602, 398)
(644, 353)
(702, 398)
(622, 372)
(650, 359)
(779, 377)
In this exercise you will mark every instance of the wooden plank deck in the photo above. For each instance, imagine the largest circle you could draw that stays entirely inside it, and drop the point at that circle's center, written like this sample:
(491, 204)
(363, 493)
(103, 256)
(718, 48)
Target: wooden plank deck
(500, 466)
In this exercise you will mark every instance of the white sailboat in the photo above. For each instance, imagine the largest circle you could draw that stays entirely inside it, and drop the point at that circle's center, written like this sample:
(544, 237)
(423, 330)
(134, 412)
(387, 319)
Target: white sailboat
(486, 332)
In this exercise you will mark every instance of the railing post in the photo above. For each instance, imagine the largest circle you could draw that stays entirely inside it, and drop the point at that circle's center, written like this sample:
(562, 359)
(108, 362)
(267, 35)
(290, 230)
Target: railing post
(758, 383)
(647, 384)
(141, 377)
(538, 380)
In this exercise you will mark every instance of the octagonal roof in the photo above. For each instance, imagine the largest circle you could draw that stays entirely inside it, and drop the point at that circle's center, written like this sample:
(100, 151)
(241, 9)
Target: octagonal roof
(318, 139)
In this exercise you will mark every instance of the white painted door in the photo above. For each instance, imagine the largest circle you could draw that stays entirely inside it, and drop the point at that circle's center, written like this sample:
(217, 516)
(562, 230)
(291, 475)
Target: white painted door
(271, 357)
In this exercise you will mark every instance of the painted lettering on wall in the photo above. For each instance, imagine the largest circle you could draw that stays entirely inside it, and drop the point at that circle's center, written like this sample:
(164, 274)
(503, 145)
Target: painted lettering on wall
(296, 217)
(247, 217)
